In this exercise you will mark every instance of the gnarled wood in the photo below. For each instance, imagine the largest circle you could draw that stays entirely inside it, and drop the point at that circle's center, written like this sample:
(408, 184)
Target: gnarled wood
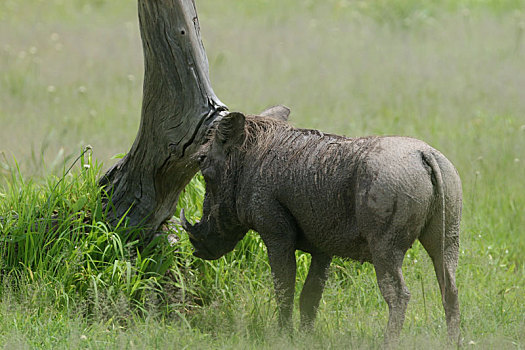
(178, 107)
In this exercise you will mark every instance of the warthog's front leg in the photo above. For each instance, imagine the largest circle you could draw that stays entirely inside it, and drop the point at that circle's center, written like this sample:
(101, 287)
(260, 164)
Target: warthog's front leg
(283, 265)
(313, 289)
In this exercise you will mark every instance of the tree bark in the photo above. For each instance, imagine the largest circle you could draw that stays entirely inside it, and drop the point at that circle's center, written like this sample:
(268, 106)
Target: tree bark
(178, 106)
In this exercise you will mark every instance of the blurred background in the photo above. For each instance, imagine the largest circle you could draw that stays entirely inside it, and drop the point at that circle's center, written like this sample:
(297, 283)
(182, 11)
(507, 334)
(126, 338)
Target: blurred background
(449, 72)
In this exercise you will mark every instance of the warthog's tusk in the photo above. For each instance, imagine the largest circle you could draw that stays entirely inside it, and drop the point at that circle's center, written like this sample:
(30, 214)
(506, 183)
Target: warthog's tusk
(186, 225)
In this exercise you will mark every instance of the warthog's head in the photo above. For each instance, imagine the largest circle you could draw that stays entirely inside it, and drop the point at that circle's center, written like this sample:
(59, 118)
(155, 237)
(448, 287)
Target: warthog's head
(208, 241)
(219, 230)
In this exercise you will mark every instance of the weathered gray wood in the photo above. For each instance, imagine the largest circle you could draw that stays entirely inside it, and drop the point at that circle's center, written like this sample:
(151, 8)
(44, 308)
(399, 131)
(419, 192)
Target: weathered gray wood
(177, 108)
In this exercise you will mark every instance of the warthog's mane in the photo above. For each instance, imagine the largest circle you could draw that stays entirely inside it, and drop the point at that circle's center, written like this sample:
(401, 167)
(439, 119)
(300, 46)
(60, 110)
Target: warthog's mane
(265, 135)
(268, 138)
(262, 132)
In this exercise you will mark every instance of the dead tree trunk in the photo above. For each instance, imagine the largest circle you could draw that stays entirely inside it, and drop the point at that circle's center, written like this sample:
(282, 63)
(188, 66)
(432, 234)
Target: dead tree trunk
(178, 107)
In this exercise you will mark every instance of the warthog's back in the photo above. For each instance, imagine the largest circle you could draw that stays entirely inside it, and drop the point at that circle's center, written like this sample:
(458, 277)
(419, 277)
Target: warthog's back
(340, 191)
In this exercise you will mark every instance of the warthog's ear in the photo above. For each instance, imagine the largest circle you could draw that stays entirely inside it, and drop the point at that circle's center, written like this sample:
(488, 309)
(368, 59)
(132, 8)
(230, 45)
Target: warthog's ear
(279, 112)
(230, 130)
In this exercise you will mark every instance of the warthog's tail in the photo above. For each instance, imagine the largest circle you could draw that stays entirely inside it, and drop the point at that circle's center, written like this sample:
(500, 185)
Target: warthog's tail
(445, 181)
(430, 159)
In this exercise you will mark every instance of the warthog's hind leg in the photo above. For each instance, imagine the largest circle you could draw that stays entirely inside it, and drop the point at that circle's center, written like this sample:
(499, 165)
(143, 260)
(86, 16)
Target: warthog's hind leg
(388, 265)
(445, 260)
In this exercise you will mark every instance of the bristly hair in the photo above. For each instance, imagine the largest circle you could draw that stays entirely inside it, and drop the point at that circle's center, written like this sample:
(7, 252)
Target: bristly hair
(261, 132)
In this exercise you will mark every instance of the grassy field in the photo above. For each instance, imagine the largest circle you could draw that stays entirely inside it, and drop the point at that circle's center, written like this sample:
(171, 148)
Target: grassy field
(451, 73)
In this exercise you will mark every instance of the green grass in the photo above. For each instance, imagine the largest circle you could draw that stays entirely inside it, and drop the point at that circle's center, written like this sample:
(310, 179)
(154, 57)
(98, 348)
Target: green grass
(451, 73)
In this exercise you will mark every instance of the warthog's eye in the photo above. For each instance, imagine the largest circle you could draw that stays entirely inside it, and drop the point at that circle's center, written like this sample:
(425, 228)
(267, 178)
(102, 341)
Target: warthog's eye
(201, 158)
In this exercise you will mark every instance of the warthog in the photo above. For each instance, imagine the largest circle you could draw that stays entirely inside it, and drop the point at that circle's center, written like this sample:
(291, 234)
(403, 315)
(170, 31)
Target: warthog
(366, 199)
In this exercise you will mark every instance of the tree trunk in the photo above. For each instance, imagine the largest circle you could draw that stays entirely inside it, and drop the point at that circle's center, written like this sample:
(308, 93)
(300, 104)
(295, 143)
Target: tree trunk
(178, 107)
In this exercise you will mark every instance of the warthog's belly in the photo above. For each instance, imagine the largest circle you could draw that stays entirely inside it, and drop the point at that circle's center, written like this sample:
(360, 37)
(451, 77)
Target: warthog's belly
(355, 249)
(339, 245)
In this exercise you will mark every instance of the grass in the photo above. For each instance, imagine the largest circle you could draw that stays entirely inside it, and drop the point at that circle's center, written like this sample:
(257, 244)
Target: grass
(450, 73)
